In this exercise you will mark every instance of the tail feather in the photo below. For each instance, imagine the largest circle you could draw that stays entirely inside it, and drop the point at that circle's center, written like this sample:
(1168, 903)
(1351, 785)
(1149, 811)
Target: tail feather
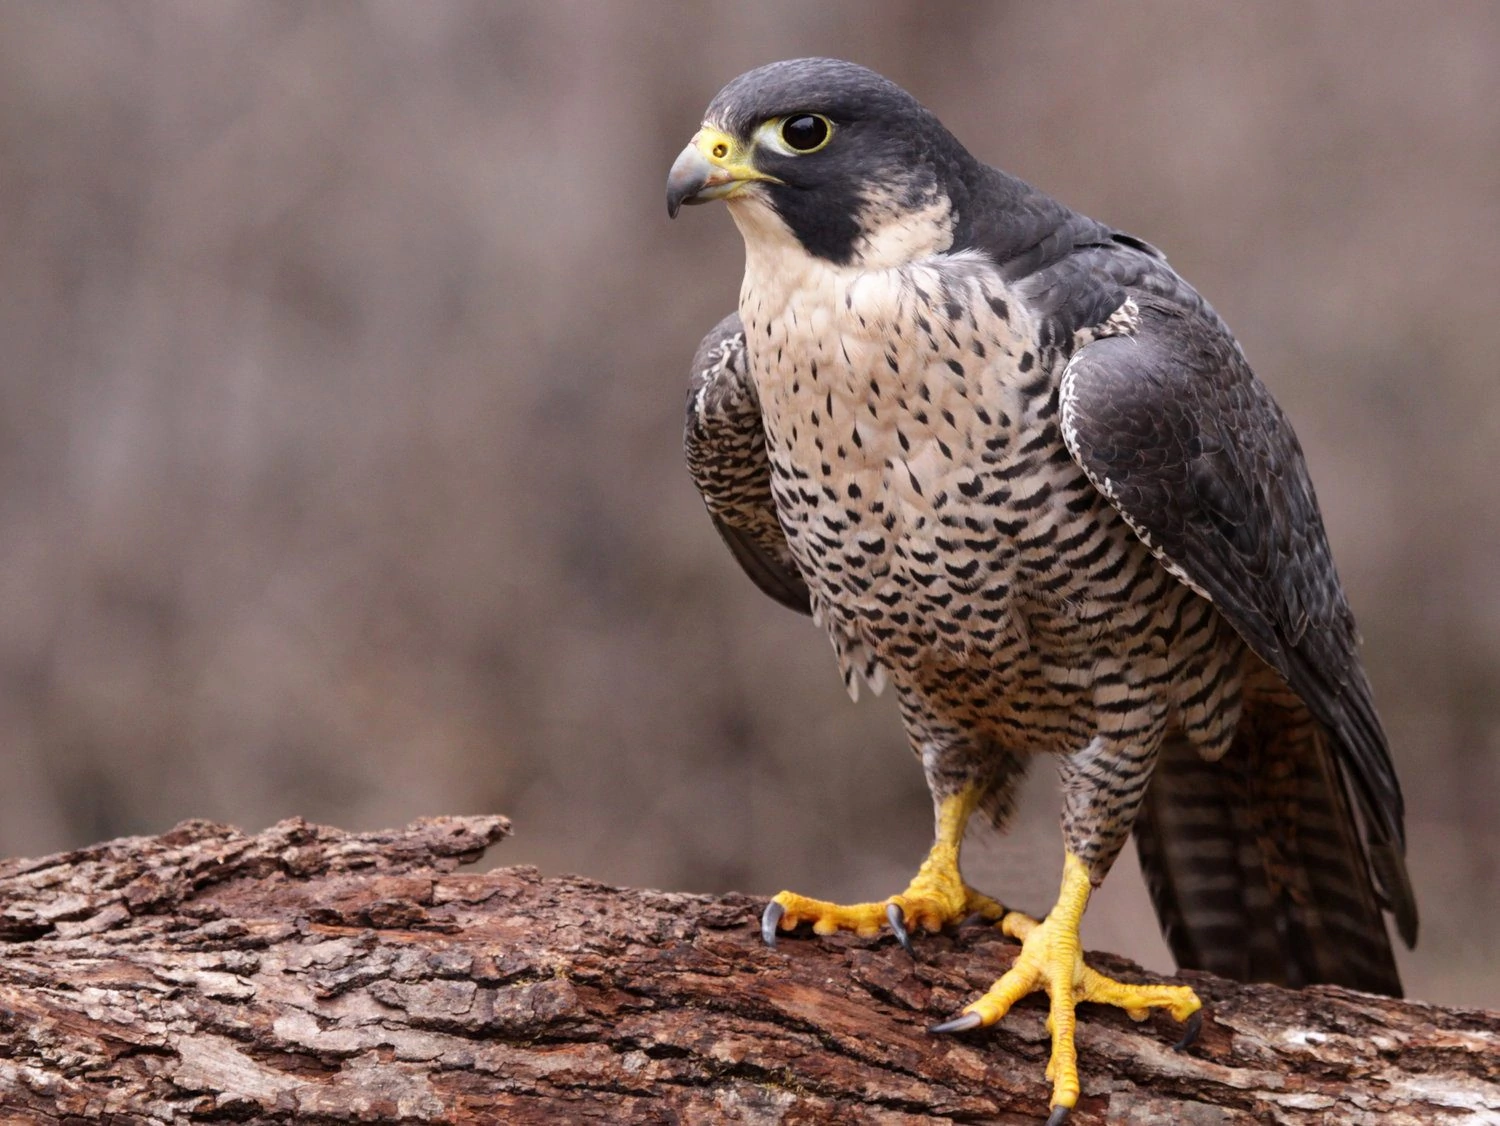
(1255, 862)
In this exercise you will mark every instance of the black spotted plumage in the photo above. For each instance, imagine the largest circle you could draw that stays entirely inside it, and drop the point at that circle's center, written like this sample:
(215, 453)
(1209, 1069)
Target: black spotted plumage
(1024, 470)
(726, 454)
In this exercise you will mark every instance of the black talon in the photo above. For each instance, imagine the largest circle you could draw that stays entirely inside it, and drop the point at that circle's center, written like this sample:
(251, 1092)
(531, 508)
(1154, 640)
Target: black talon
(1190, 1033)
(1059, 1115)
(961, 1023)
(979, 918)
(769, 920)
(893, 913)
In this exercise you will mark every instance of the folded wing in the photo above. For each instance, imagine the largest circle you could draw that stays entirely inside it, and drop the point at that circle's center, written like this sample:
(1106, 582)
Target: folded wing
(1171, 425)
(726, 455)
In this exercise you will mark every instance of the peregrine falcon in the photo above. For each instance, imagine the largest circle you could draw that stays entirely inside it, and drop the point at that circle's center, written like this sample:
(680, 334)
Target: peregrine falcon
(1019, 470)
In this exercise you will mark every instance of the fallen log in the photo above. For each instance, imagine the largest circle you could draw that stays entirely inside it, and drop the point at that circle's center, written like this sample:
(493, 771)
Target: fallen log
(308, 975)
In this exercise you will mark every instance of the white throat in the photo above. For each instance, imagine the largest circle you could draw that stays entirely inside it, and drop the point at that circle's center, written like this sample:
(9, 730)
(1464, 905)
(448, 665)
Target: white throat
(780, 272)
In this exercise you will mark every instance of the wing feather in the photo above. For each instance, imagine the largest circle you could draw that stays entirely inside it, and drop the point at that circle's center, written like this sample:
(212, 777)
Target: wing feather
(1173, 427)
(724, 441)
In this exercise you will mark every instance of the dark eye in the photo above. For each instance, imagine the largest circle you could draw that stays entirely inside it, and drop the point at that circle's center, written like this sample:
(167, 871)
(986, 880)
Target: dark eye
(806, 132)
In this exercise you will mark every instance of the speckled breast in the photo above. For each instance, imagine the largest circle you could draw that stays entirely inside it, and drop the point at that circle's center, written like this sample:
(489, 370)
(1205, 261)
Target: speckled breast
(919, 470)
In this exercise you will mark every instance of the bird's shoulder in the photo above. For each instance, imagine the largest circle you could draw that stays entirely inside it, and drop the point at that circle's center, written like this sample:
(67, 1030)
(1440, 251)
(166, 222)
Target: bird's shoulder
(719, 379)
(1072, 271)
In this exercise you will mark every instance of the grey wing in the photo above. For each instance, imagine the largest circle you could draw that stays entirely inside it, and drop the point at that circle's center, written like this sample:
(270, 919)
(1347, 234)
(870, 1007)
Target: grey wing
(1173, 427)
(724, 441)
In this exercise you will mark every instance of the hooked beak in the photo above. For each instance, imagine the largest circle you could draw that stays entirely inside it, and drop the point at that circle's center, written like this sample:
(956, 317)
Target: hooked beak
(713, 166)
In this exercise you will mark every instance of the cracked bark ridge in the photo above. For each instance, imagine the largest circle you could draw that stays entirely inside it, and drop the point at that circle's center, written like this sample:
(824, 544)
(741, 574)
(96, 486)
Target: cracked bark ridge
(308, 975)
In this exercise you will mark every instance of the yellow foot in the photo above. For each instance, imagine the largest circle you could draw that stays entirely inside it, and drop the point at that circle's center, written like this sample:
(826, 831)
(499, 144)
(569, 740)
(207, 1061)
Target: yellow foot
(1051, 959)
(920, 905)
(936, 896)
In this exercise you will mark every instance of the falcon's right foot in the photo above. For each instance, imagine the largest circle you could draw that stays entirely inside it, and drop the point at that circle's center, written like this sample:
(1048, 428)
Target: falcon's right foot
(936, 896)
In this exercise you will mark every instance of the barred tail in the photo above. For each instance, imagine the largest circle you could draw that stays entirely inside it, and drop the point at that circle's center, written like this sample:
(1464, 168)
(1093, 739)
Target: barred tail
(1255, 862)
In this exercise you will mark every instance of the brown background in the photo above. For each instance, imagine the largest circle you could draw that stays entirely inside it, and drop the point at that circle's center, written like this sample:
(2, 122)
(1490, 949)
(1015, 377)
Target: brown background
(344, 352)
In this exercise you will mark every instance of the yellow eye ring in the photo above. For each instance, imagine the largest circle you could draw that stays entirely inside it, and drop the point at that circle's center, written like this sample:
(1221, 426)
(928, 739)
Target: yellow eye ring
(804, 133)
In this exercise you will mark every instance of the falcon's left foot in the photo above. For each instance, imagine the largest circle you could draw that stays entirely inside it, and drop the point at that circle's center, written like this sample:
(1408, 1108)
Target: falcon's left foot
(1051, 958)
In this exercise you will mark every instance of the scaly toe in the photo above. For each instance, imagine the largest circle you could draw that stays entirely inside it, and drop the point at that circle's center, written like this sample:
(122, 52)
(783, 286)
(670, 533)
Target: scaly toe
(1059, 1115)
(981, 906)
(916, 907)
(788, 910)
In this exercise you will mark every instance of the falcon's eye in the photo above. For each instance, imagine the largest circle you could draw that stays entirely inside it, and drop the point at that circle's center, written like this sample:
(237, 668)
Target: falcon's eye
(806, 132)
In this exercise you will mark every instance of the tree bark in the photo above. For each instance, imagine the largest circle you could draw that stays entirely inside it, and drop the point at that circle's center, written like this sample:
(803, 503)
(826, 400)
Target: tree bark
(314, 976)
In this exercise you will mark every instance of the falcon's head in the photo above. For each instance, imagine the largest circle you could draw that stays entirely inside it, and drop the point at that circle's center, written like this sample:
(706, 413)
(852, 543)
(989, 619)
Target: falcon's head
(832, 155)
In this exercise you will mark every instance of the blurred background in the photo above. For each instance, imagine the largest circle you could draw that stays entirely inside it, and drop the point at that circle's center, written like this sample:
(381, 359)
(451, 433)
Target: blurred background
(344, 358)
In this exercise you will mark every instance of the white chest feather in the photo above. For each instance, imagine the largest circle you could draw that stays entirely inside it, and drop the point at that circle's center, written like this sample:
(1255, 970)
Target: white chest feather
(887, 378)
(897, 402)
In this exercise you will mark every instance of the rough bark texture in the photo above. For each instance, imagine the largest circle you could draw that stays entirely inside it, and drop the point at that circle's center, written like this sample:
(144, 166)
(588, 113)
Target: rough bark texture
(315, 976)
